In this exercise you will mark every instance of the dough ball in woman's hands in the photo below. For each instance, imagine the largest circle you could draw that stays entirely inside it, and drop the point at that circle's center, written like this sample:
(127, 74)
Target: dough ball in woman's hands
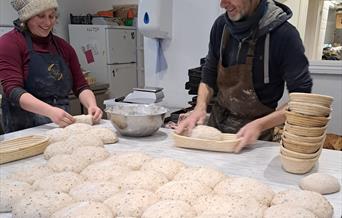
(206, 132)
(87, 119)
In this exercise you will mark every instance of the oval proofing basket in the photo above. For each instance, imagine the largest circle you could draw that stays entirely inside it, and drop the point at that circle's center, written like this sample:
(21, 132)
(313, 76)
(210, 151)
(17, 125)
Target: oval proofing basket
(22, 147)
(228, 143)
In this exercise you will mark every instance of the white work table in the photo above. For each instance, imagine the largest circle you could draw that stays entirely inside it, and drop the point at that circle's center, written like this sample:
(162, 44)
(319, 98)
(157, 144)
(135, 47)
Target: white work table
(261, 162)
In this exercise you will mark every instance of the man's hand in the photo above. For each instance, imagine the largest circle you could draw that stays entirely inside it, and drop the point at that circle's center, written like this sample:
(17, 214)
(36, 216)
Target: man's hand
(61, 117)
(96, 113)
(249, 134)
(196, 117)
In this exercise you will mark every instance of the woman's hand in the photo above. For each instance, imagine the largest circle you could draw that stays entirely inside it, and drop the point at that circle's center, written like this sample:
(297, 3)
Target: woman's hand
(195, 117)
(61, 117)
(249, 134)
(96, 113)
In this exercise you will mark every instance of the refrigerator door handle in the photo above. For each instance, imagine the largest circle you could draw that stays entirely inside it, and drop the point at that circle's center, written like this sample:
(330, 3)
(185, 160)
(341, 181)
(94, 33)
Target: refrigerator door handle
(113, 72)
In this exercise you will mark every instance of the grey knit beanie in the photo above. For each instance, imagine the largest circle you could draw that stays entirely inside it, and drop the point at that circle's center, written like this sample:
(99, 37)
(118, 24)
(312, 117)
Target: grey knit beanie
(29, 8)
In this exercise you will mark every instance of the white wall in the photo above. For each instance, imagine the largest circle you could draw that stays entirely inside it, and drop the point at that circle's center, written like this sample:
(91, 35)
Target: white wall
(192, 21)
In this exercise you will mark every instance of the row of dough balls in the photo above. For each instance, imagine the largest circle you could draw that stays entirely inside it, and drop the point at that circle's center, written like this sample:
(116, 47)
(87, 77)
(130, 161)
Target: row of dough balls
(137, 185)
(67, 140)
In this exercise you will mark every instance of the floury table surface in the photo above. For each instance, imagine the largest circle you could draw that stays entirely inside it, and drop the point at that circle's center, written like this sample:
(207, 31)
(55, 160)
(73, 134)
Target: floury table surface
(261, 162)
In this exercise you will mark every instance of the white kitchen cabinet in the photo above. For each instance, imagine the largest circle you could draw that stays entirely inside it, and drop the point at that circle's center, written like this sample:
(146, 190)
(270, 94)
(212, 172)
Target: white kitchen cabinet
(123, 78)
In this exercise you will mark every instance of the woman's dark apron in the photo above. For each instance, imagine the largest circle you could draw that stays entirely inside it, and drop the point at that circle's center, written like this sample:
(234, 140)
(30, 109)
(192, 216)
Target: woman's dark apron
(49, 79)
(237, 102)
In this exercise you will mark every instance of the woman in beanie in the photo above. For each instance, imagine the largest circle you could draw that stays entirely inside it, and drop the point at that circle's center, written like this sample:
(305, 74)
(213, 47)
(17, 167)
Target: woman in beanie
(38, 70)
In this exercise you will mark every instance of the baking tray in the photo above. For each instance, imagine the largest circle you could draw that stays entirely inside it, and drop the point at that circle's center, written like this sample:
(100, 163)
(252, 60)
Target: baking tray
(228, 143)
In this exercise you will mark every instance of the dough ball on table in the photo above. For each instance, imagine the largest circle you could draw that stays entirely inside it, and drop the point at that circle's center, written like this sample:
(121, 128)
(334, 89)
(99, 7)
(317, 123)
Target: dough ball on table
(91, 153)
(77, 128)
(87, 119)
(231, 206)
(67, 162)
(206, 132)
(212, 215)
(184, 190)
(105, 171)
(167, 166)
(132, 202)
(59, 148)
(31, 173)
(309, 200)
(321, 183)
(246, 186)
(147, 179)
(108, 136)
(204, 175)
(169, 209)
(57, 134)
(288, 211)
(85, 139)
(41, 204)
(94, 191)
(11, 191)
(132, 160)
(85, 209)
(61, 182)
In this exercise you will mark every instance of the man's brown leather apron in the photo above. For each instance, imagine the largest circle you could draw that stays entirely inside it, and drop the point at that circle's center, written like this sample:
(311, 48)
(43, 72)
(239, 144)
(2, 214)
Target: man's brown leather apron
(237, 102)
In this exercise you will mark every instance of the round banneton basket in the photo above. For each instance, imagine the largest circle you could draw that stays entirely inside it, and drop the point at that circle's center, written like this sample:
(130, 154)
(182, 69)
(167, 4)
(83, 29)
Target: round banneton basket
(301, 147)
(299, 155)
(297, 166)
(309, 109)
(304, 120)
(305, 131)
(323, 100)
(306, 139)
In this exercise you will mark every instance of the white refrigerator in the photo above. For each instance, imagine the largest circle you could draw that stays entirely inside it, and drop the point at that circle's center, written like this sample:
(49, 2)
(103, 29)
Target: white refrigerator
(109, 53)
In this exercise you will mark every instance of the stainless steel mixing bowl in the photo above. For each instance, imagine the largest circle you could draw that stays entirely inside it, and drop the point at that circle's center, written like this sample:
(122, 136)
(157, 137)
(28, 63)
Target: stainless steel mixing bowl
(136, 119)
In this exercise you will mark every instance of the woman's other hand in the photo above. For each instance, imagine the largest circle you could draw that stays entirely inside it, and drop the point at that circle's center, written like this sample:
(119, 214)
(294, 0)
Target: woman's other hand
(96, 113)
(61, 117)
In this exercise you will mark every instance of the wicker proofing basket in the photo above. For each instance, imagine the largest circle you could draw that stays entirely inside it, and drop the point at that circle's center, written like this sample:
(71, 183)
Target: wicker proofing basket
(309, 109)
(301, 147)
(305, 131)
(304, 120)
(306, 139)
(22, 147)
(298, 155)
(297, 166)
(323, 100)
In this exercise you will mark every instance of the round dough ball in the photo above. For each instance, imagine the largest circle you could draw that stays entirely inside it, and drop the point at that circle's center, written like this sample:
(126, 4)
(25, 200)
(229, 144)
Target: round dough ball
(169, 209)
(85, 209)
(105, 171)
(204, 175)
(108, 136)
(288, 211)
(66, 162)
(10, 192)
(61, 182)
(132, 202)
(132, 160)
(31, 173)
(87, 119)
(167, 166)
(41, 204)
(184, 190)
(321, 183)
(206, 132)
(91, 153)
(59, 148)
(57, 135)
(77, 128)
(85, 139)
(147, 179)
(231, 206)
(246, 186)
(94, 191)
(309, 200)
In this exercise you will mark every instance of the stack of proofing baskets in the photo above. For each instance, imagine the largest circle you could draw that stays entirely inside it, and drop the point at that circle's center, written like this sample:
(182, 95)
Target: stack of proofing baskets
(307, 118)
